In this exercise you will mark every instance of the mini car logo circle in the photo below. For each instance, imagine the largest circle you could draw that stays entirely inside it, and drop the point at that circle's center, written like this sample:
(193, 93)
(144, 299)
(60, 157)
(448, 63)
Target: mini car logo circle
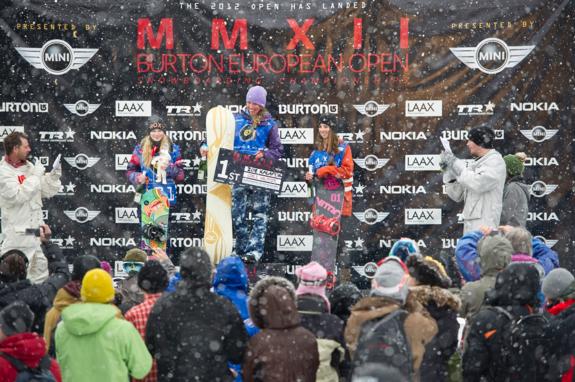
(492, 55)
(57, 56)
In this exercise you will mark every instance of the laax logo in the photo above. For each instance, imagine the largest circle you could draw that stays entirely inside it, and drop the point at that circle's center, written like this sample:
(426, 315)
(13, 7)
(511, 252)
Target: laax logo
(492, 55)
(133, 108)
(371, 162)
(294, 216)
(354, 245)
(290, 243)
(542, 216)
(486, 109)
(121, 161)
(423, 108)
(532, 161)
(534, 106)
(371, 108)
(352, 137)
(112, 188)
(126, 215)
(368, 270)
(539, 189)
(547, 242)
(539, 134)
(112, 242)
(422, 163)
(6, 130)
(402, 136)
(67, 243)
(23, 107)
(306, 109)
(400, 190)
(81, 161)
(57, 57)
(57, 136)
(185, 111)
(187, 217)
(462, 135)
(82, 108)
(112, 135)
(296, 136)
(388, 243)
(81, 215)
(186, 135)
(67, 189)
(422, 216)
(296, 162)
(293, 190)
(371, 216)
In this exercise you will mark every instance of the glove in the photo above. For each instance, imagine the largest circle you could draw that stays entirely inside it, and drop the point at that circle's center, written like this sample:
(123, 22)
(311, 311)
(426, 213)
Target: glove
(56, 167)
(446, 159)
(38, 169)
(457, 166)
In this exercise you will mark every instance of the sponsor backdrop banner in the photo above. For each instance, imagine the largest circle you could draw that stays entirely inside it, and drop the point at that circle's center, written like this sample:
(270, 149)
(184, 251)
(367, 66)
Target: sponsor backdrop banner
(81, 79)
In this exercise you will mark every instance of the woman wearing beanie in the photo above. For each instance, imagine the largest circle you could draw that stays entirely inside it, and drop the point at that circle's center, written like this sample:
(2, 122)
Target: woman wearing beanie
(332, 158)
(516, 193)
(142, 171)
(256, 134)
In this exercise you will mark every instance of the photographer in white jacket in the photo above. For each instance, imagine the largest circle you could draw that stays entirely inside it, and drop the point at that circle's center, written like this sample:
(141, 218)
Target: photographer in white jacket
(479, 186)
(22, 187)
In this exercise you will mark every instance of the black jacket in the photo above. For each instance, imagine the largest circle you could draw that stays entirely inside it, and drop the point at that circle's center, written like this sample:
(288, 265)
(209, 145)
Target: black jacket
(39, 297)
(193, 333)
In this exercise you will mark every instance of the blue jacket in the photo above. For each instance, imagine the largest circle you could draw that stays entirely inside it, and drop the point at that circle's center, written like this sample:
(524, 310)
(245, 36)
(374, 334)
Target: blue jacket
(264, 138)
(319, 159)
(468, 259)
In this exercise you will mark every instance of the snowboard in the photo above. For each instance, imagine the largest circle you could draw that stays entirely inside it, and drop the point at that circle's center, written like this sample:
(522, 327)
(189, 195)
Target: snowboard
(155, 212)
(218, 230)
(325, 221)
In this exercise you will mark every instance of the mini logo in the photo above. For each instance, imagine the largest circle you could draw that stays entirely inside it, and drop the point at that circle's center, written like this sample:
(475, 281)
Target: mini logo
(547, 242)
(57, 57)
(23, 107)
(185, 111)
(534, 106)
(486, 109)
(67, 189)
(81, 161)
(121, 161)
(354, 245)
(492, 55)
(539, 189)
(422, 163)
(422, 216)
(352, 137)
(293, 190)
(6, 130)
(539, 134)
(306, 109)
(133, 108)
(371, 162)
(423, 108)
(296, 136)
(371, 216)
(57, 136)
(371, 108)
(81, 215)
(402, 136)
(82, 108)
(127, 215)
(187, 217)
(290, 243)
(368, 270)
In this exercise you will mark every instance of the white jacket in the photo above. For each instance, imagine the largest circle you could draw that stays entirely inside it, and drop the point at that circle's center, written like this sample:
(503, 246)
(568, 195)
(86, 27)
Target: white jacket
(21, 193)
(480, 186)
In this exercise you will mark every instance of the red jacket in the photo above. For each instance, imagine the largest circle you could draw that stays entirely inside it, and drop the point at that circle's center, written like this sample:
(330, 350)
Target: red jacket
(555, 310)
(345, 173)
(29, 348)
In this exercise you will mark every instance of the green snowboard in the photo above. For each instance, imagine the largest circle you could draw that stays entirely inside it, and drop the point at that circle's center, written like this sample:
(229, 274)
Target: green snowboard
(155, 211)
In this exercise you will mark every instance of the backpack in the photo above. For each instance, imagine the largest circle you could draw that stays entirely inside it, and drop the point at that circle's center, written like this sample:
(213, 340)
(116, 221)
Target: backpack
(524, 347)
(26, 374)
(384, 342)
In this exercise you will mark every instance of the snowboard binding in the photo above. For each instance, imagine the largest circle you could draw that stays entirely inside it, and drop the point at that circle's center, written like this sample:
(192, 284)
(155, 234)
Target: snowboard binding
(154, 232)
(321, 223)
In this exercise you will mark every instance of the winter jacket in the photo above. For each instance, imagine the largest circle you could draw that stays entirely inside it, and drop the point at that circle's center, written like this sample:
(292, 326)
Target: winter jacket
(283, 350)
(193, 334)
(66, 296)
(328, 330)
(443, 306)
(561, 328)
(515, 203)
(130, 292)
(480, 187)
(39, 297)
(265, 138)
(92, 344)
(418, 325)
(174, 172)
(30, 349)
(342, 168)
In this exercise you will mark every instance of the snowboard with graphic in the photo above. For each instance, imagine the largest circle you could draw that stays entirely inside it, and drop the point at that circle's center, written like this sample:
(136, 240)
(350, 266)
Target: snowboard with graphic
(155, 212)
(326, 221)
(218, 230)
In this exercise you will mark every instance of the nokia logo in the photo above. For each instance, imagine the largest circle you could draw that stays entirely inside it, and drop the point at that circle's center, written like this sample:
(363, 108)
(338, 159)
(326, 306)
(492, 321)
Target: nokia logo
(402, 136)
(185, 111)
(294, 216)
(542, 216)
(422, 163)
(82, 108)
(534, 106)
(133, 108)
(121, 161)
(290, 243)
(371, 162)
(371, 216)
(401, 190)
(539, 134)
(112, 188)
(296, 136)
(124, 215)
(485, 109)
(112, 242)
(423, 108)
(23, 107)
(492, 55)
(6, 130)
(293, 190)
(57, 57)
(81, 161)
(539, 189)
(57, 136)
(187, 217)
(305, 109)
(529, 162)
(112, 135)
(368, 270)
(371, 108)
(422, 216)
(81, 215)
(388, 243)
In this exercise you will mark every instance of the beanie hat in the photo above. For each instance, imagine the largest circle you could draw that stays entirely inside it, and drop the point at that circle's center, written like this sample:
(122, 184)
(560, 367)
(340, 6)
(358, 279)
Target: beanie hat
(312, 280)
(343, 298)
(403, 248)
(257, 95)
(391, 280)
(106, 266)
(196, 267)
(482, 136)
(156, 122)
(136, 254)
(16, 318)
(13, 266)
(558, 283)
(428, 271)
(494, 253)
(97, 286)
(153, 278)
(514, 164)
(328, 120)
(518, 284)
(83, 264)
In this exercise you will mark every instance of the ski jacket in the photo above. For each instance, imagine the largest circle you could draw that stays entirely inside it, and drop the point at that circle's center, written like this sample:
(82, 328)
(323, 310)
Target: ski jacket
(265, 137)
(515, 203)
(342, 168)
(66, 296)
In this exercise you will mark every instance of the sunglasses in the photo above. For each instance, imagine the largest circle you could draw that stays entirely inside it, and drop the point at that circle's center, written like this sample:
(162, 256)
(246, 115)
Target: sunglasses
(132, 266)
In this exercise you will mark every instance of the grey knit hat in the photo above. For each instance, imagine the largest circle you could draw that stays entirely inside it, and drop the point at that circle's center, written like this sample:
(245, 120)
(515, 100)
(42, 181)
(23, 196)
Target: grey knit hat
(391, 280)
(558, 283)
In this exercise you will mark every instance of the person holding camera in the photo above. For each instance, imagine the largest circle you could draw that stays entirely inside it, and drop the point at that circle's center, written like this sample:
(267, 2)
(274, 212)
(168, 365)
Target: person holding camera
(24, 184)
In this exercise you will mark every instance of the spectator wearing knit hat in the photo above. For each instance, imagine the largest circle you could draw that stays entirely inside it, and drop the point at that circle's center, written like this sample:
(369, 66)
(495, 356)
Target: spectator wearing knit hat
(92, 343)
(129, 293)
(516, 193)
